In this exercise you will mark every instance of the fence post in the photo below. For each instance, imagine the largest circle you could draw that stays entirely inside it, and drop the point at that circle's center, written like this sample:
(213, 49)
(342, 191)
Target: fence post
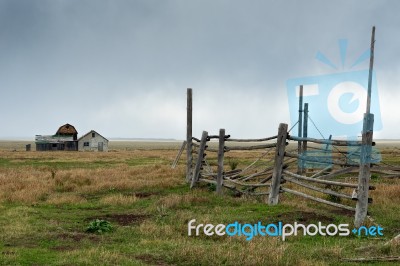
(220, 174)
(365, 174)
(328, 144)
(366, 148)
(200, 159)
(273, 197)
(300, 128)
(179, 154)
(305, 135)
(189, 156)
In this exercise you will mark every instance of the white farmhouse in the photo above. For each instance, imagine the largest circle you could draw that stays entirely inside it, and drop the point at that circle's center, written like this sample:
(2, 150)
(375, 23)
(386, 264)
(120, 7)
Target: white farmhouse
(92, 141)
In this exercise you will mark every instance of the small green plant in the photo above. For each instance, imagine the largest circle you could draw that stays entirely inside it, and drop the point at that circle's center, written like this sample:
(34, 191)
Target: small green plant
(99, 226)
(374, 176)
(233, 164)
(212, 187)
(161, 211)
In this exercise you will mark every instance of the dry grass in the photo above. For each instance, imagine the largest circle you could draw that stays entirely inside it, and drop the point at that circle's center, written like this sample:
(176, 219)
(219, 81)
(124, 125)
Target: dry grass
(26, 185)
(118, 199)
(386, 194)
(235, 251)
(156, 231)
(62, 156)
(123, 178)
(30, 184)
(60, 199)
(173, 200)
(15, 223)
(91, 256)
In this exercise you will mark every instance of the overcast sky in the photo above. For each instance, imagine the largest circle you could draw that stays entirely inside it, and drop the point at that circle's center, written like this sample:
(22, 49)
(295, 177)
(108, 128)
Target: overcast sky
(122, 67)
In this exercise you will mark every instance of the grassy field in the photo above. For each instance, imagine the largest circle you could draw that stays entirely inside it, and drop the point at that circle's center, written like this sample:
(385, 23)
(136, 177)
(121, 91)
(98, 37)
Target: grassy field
(48, 199)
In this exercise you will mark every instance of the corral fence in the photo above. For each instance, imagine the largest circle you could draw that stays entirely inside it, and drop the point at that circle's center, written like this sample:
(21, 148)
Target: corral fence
(331, 172)
(328, 171)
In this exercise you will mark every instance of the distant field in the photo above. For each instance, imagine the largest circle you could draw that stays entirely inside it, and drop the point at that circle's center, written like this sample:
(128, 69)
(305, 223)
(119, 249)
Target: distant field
(48, 199)
(161, 145)
(113, 145)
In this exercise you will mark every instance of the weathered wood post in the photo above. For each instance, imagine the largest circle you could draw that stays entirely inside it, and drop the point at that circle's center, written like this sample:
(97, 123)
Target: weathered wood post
(305, 135)
(328, 144)
(365, 174)
(199, 163)
(366, 148)
(189, 156)
(371, 68)
(179, 154)
(273, 196)
(220, 173)
(300, 130)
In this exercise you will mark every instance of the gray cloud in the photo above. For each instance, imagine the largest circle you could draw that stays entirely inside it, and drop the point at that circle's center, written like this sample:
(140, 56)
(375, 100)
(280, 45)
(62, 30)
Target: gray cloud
(122, 67)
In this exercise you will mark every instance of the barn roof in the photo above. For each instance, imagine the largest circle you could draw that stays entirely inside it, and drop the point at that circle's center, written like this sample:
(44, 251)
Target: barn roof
(66, 129)
(90, 132)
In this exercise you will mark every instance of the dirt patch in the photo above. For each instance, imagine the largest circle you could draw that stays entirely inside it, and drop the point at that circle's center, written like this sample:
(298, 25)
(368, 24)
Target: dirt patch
(142, 195)
(62, 248)
(151, 260)
(77, 237)
(122, 219)
(343, 212)
(304, 217)
(94, 208)
(21, 242)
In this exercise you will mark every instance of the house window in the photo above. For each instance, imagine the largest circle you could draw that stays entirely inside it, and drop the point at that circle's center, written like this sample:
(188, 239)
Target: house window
(93, 134)
(86, 144)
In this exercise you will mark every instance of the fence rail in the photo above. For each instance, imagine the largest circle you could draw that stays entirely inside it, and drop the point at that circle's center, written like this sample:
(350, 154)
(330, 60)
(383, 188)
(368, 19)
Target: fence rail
(304, 195)
(329, 142)
(249, 148)
(252, 140)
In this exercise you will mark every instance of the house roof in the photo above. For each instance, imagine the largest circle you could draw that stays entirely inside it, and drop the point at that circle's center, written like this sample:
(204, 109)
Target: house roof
(90, 133)
(66, 129)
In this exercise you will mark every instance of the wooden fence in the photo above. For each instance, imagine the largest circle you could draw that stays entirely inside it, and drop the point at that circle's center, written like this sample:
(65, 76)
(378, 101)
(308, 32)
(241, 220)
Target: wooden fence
(242, 181)
(276, 170)
(306, 171)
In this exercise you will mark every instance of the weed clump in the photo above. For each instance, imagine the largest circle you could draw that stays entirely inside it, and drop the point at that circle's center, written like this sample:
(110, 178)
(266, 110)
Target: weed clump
(334, 198)
(233, 164)
(99, 226)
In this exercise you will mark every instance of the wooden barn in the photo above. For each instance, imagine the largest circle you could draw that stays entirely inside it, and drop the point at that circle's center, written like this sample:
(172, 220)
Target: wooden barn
(92, 141)
(67, 130)
(65, 139)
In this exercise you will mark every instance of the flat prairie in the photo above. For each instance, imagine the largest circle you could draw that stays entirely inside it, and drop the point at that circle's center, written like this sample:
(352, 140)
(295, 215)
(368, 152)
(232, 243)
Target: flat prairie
(49, 199)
